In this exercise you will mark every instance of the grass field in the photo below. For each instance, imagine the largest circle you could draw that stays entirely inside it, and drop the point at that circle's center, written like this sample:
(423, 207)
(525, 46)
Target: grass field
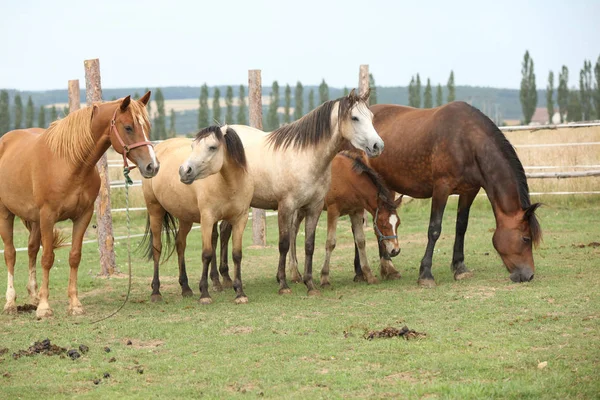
(486, 337)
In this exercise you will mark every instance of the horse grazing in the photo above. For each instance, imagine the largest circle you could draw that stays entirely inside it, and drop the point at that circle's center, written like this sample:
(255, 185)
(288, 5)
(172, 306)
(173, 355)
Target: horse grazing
(456, 149)
(291, 167)
(50, 176)
(354, 188)
(214, 186)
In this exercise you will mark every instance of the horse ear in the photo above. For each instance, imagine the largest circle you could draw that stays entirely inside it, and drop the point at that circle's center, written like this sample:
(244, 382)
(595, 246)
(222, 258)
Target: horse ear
(224, 129)
(95, 110)
(529, 211)
(145, 98)
(125, 103)
(351, 94)
(365, 96)
(398, 201)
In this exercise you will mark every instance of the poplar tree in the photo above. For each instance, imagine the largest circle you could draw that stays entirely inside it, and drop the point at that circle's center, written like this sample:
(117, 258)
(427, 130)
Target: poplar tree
(217, 106)
(53, 114)
(299, 100)
(346, 91)
(273, 114)
(159, 130)
(18, 111)
(596, 94)
(29, 113)
(373, 95)
(451, 89)
(42, 118)
(288, 104)
(439, 96)
(562, 96)
(203, 110)
(428, 96)
(323, 92)
(528, 92)
(229, 105)
(574, 107)
(172, 130)
(550, 96)
(585, 91)
(411, 92)
(242, 118)
(311, 100)
(4, 112)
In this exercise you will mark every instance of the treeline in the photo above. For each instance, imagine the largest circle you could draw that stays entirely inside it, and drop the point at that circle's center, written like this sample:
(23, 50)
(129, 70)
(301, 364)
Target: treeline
(573, 104)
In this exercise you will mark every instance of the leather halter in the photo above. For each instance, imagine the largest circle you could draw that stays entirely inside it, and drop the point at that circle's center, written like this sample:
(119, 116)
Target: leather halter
(380, 236)
(126, 148)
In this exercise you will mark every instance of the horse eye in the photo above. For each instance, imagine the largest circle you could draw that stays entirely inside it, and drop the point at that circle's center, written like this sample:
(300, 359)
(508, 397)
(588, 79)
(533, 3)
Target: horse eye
(526, 239)
(212, 148)
(354, 118)
(128, 128)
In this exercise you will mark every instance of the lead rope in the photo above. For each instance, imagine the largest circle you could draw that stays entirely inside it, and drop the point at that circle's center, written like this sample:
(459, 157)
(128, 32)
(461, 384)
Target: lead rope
(128, 182)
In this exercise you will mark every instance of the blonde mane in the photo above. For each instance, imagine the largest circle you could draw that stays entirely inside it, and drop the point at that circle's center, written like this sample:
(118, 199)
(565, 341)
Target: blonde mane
(71, 137)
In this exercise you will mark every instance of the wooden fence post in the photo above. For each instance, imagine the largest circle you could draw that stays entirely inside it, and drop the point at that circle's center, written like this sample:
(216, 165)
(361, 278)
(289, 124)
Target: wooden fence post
(93, 93)
(363, 86)
(259, 217)
(74, 95)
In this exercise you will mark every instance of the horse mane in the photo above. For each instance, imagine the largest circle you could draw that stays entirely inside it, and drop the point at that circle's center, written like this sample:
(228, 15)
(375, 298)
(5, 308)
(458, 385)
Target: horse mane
(71, 137)
(312, 128)
(360, 167)
(509, 153)
(233, 144)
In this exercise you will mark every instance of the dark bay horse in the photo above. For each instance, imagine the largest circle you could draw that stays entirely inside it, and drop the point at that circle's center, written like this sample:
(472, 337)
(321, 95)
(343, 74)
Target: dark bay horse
(456, 149)
(50, 176)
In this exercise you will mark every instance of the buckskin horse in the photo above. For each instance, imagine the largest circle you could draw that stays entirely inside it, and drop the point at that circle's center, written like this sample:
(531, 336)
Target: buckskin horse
(456, 149)
(50, 176)
(291, 167)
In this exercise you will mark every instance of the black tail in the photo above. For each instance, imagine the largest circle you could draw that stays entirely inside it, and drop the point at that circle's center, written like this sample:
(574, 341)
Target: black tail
(169, 227)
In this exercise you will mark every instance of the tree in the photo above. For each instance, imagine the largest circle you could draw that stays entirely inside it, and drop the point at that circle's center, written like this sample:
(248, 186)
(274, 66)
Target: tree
(273, 113)
(418, 92)
(288, 104)
(4, 112)
(451, 89)
(53, 114)
(299, 100)
(311, 100)
(29, 113)
(439, 96)
(42, 118)
(217, 106)
(428, 96)
(203, 111)
(346, 91)
(136, 96)
(528, 92)
(411, 92)
(172, 130)
(550, 96)
(574, 107)
(229, 105)
(562, 95)
(159, 130)
(585, 91)
(18, 111)
(373, 96)
(323, 92)
(242, 118)
(597, 88)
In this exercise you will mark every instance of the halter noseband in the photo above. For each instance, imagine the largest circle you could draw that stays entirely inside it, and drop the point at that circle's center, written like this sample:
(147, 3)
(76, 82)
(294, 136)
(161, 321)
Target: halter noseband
(126, 148)
(380, 236)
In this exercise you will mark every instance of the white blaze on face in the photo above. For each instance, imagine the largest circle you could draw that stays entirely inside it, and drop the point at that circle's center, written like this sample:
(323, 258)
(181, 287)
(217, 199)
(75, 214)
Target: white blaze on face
(150, 149)
(393, 221)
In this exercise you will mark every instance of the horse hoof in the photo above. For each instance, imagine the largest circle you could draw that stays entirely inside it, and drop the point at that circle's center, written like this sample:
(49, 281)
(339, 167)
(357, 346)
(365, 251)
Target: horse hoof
(359, 278)
(43, 313)
(313, 292)
(187, 293)
(459, 276)
(372, 281)
(156, 298)
(241, 300)
(205, 300)
(75, 311)
(427, 283)
(325, 285)
(10, 309)
(285, 291)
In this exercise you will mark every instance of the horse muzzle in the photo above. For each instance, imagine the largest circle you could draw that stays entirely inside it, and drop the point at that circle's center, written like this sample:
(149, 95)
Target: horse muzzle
(375, 149)
(522, 274)
(150, 169)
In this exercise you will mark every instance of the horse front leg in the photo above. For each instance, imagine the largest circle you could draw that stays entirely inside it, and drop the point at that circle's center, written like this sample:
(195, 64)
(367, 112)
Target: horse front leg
(438, 204)
(47, 221)
(458, 266)
(79, 227)
(156, 214)
(332, 219)
(236, 255)
(312, 219)
(207, 256)
(7, 220)
(225, 235)
(359, 240)
(180, 245)
(33, 248)
(284, 219)
(293, 259)
(386, 266)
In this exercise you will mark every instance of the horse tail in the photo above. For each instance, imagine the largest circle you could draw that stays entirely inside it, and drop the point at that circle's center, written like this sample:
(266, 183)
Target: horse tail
(58, 239)
(169, 227)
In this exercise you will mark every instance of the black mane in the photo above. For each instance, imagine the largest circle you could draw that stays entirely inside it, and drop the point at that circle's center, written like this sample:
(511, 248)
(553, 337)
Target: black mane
(233, 144)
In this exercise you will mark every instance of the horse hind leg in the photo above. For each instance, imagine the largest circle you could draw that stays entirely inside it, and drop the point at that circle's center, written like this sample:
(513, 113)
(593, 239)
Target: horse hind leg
(225, 235)
(332, 219)
(79, 227)
(214, 272)
(359, 240)
(293, 259)
(33, 248)
(438, 204)
(180, 245)
(458, 266)
(6, 231)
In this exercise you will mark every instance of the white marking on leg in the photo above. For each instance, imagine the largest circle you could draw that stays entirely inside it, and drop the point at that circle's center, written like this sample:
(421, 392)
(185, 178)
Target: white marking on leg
(11, 294)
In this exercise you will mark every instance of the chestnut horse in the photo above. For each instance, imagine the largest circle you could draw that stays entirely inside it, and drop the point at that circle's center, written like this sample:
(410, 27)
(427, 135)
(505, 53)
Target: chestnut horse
(354, 188)
(456, 149)
(50, 176)
(291, 167)
(214, 186)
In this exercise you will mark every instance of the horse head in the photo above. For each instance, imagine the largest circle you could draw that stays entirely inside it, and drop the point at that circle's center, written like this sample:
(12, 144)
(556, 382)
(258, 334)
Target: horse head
(207, 157)
(385, 225)
(356, 123)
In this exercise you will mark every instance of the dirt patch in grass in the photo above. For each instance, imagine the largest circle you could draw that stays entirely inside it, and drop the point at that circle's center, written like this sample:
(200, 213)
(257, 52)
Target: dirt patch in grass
(148, 344)
(41, 347)
(238, 330)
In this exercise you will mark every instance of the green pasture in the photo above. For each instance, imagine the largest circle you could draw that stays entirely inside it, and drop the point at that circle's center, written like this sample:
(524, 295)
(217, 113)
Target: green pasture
(486, 337)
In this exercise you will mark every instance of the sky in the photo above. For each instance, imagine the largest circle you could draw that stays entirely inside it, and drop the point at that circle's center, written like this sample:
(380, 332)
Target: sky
(149, 43)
